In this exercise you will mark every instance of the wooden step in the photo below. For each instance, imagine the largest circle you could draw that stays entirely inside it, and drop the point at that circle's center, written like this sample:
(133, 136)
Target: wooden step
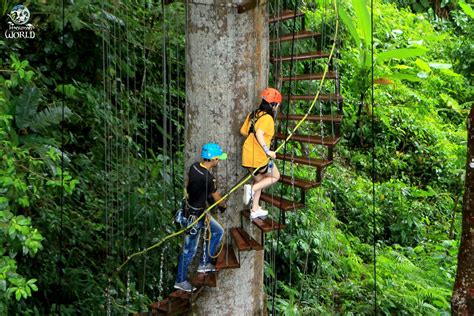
(297, 36)
(285, 15)
(254, 245)
(304, 56)
(242, 245)
(172, 306)
(330, 75)
(183, 295)
(298, 182)
(264, 224)
(281, 203)
(205, 279)
(322, 97)
(318, 163)
(227, 259)
(312, 139)
(311, 118)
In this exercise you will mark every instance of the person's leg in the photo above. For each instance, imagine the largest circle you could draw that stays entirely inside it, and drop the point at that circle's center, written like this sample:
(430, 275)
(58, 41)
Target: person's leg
(256, 193)
(265, 181)
(189, 250)
(210, 250)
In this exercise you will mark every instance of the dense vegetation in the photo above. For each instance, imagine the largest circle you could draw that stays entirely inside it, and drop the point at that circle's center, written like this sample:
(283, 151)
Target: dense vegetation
(87, 168)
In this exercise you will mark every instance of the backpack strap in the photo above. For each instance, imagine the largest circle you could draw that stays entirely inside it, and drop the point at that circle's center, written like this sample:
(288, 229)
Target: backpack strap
(253, 120)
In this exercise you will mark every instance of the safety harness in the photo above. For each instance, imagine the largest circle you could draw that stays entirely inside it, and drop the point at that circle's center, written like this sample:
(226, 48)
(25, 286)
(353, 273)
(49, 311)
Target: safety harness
(253, 120)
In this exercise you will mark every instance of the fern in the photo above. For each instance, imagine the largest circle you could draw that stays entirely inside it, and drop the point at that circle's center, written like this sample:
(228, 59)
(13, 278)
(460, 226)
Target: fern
(25, 106)
(49, 117)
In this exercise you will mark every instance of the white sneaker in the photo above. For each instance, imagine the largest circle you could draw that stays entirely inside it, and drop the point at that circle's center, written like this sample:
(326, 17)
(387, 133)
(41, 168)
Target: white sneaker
(260, 212)
(248, 194)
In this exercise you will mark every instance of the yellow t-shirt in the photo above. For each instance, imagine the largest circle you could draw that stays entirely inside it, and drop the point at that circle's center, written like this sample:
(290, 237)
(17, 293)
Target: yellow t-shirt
(253, 154)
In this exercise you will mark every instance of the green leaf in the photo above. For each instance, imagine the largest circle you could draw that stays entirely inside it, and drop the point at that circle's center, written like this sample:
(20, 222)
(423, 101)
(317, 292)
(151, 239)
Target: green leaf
(423, 65)
(49, 117)
(26, 105)
(440, 66)
(466, 8)
(18, 294)
(68, 90)
(33, 287)
(3, 285)
(363, 20)
(422, 75)
(350, 26)
(400, 53)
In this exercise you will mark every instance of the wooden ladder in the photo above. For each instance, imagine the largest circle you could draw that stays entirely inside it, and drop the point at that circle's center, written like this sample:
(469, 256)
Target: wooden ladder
(334, 118)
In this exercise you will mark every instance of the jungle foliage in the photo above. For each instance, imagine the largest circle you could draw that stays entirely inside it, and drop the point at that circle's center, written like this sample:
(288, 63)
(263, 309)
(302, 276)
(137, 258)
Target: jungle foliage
(85, 155)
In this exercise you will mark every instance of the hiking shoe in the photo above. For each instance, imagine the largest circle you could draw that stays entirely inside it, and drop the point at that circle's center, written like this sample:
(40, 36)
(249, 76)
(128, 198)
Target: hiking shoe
(248, 194)
(185, 286)
(260, 212)
(203, 268)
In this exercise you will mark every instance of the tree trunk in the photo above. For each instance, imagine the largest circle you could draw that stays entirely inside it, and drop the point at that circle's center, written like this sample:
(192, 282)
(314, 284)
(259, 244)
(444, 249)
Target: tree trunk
(227, 67)
(462, 302)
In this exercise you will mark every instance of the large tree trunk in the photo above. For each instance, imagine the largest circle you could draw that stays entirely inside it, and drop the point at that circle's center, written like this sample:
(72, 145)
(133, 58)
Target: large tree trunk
(462, 302)
(227, 67)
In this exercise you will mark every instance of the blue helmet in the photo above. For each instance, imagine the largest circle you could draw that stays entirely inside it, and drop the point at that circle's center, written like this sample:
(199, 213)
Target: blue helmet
(211, 150)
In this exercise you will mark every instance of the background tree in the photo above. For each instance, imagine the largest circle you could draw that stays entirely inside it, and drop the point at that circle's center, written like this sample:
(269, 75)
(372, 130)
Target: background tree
(463, 293)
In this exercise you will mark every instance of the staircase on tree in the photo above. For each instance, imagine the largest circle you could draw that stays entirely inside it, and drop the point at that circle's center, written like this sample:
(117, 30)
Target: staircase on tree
(180, 302)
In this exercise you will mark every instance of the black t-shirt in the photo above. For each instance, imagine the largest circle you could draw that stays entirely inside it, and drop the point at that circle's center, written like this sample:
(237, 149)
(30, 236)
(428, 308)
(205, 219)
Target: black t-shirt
(201, 183)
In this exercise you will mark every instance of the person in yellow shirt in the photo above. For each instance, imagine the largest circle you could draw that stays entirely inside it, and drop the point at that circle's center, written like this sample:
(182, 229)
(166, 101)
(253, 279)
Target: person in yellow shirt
(259, 128)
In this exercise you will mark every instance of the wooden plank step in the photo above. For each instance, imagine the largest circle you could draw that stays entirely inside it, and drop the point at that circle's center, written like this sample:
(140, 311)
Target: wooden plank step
(264, 224)
(183, 295)
(280, 203)
(205, 279)
(331, 75)
(254, 245)
(242, 244)
(298, 36)
(311, 118)
(298, 182)
(227, 259)
(318, 163)
(322, 97)
(312, 139)
(172, 307)
(304, 56)
(285, 15)
(246, 6)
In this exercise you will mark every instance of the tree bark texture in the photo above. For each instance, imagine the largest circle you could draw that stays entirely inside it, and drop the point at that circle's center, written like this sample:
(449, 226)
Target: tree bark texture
(227, 66)
(462, 302)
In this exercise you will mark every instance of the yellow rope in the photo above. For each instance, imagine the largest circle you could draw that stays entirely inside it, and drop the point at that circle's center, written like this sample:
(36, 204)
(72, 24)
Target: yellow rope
(208, 228)
(238, 185)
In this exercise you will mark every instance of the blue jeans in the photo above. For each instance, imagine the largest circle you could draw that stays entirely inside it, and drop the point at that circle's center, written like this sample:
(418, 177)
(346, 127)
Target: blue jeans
(191, 241)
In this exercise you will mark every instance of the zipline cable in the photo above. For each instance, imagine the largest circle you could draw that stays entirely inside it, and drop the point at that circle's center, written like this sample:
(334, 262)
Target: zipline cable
(249, 176)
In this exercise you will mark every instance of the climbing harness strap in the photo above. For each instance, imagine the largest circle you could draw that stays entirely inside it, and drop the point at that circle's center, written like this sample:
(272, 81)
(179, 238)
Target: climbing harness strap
(253, 120)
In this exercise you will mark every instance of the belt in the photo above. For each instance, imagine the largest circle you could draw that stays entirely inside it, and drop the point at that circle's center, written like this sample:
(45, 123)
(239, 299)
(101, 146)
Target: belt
(195, 208)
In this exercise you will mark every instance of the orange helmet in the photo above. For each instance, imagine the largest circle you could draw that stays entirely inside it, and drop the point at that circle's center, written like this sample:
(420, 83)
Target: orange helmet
(271, 95)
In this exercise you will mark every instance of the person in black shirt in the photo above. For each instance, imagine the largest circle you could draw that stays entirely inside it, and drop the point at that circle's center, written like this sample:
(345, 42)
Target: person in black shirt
(200, 189)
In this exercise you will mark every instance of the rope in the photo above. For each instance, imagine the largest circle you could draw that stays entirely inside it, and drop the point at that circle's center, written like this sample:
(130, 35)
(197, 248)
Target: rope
(59, 262)
(248, 177)
(144, 89)
(374, 214)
